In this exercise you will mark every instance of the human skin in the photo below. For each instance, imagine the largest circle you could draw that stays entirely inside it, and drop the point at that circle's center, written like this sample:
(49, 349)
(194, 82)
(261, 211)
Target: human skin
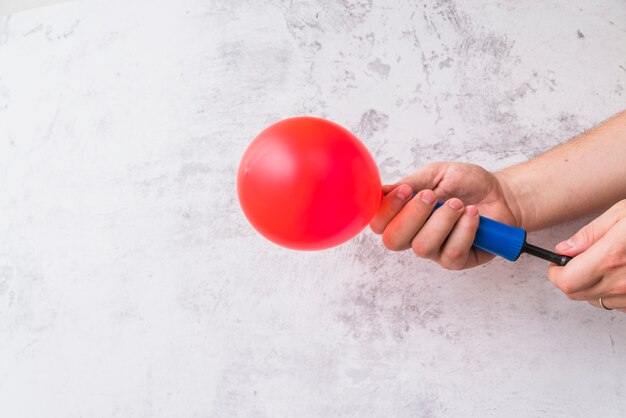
(579, 177)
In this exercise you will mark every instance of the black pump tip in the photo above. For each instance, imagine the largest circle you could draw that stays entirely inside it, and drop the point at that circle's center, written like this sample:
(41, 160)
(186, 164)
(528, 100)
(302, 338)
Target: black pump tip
(558, 259)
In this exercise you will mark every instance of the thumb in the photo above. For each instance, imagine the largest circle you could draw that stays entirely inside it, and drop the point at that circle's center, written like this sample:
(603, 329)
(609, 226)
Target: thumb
(426, 177)
(592, 232)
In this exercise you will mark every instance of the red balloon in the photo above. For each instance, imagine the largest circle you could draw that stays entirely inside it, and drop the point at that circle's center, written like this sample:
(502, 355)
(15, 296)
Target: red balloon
(308, 184)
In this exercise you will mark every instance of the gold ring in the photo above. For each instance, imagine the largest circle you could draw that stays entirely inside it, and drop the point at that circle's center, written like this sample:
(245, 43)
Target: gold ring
(604, 307)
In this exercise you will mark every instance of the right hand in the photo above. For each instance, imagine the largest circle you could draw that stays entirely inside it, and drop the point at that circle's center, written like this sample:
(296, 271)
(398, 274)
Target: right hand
(446, 237)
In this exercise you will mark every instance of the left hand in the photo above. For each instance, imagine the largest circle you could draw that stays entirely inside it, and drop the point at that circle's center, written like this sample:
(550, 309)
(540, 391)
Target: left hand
(599, 268)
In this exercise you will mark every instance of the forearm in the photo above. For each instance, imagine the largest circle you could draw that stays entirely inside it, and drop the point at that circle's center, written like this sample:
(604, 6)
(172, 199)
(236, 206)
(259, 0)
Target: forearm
(571, 180)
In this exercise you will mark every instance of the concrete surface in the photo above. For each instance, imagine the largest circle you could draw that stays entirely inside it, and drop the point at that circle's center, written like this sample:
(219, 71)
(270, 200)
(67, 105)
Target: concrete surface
(131, 285)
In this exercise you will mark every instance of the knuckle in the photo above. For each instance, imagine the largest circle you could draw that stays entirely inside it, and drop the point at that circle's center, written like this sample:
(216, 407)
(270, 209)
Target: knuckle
(453, 254)
(577, 296)
(435, 166)
(391, 242)
(469, 224)
(612, 261)
(564, 285)
(567, 291)
(585, 235)
(450, 265)
(421, 249)
(376, 228)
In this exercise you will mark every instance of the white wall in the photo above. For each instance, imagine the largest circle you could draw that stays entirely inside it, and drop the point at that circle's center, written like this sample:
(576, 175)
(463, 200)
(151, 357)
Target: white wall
(131, 284)
(8, 7)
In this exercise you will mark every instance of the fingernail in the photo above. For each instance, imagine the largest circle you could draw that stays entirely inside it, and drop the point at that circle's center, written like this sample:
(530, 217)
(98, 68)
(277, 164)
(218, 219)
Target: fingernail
(471, 210)
(404, 193)
(428, 197)
(455, 204)
(565, 245)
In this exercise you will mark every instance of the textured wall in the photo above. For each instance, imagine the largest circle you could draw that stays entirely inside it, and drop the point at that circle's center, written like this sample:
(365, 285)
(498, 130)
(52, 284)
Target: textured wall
(12, 6)
(131, 284)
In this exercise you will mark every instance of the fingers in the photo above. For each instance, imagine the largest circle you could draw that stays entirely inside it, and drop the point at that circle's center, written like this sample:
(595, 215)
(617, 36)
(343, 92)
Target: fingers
(456, 251)
(580, 274)
(592, 232)
(610, 302)
(445, 235)
(430, 238)
(390, 205)
(403, 227)
(598, 272)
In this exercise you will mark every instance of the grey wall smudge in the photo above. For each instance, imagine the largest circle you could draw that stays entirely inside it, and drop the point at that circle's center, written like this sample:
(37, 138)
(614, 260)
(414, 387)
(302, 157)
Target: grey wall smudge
(5, 96)
(4, 29)
(380, 68)
(60, 34)
(372, 121)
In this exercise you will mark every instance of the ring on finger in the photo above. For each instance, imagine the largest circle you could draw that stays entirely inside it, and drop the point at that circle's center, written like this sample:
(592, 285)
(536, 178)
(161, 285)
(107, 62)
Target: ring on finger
(602, 305)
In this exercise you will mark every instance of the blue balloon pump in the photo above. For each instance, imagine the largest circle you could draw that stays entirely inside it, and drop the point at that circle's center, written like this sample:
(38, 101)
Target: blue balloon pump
(509, 242)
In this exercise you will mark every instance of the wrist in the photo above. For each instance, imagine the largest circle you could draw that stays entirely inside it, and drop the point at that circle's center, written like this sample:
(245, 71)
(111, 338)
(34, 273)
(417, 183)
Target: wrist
(518, 197)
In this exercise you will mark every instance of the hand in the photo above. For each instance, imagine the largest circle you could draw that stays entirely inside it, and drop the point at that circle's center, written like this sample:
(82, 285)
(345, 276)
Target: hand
(599, 268)
(446, 237)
